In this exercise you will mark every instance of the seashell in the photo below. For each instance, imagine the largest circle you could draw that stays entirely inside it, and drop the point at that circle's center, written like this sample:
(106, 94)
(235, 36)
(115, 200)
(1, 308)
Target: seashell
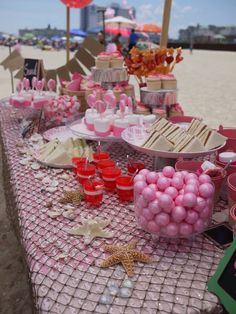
(57, 171)
(24, 162)
(65, 176)
(51, 189)
(39, 175)
(54, 183)
(125, 293)
(69, 215)
(61, 256)
(128, 284)
(53, 214)
(35, 166)
(36, 137)
(69, 207)
(105, 299)
(46, 180)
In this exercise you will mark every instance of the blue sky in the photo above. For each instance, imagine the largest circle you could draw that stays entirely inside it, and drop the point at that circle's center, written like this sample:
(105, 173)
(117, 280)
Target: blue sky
(17, 14)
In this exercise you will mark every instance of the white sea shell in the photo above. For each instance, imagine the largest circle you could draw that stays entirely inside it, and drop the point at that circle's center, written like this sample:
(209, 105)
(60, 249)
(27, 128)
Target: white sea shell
(24, 162)
(69, 207)
(36, 137)
(53, 214)
(54, 183)
(39, 175)
(51, 189)
(69, 214)
(125, 293)
(46, 180)
(35, 166)
(65, 176)
(57, 171)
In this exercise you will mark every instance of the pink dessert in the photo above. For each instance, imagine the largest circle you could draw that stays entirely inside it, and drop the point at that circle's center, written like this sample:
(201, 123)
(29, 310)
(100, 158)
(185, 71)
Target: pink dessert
(119, 126)
(19, 102)
(102, 127)
(89, 120)
(39, 101)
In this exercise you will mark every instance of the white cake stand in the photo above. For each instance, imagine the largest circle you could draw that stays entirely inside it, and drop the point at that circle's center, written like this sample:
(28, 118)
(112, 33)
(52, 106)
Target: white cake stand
(109, 75)
(158, 98)
(135, 138)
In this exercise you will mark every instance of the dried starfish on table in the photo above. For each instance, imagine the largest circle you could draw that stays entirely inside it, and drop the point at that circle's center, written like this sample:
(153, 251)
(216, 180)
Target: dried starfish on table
(126, 255)
(91, 229)
(73, 197)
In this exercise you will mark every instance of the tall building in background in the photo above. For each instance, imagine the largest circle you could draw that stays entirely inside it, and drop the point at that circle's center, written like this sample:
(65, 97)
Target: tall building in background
(90, 18)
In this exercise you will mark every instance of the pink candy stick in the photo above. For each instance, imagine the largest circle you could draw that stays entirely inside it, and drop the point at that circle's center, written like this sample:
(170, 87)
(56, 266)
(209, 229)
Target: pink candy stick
(130, 104)
(91, 100)
(34, 82)
(100, 106)
(51, 85)
(122, 108)
(19, 87)
(26, 83)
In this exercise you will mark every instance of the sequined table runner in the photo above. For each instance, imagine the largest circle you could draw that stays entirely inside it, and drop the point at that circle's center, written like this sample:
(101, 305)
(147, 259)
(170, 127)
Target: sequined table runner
(65, 273)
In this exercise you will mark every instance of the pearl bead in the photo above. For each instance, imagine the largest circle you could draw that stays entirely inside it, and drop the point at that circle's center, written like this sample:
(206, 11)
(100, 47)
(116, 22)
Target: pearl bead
(139, 177)
(172, 192)
(162, 219)
(189, 200)
(139, 186)
(178, 214)
(168, 171)
(166, 202)
(149, 194)
(177, 183)
(192, 216)
(154, 207)
(163, 183)
(201, 203)
(206, 190)
(152, 177)
(204, 178)
(172, 229)
(144, 172)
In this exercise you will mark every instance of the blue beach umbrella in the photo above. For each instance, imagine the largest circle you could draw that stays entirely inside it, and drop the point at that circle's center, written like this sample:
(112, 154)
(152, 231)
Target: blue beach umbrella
(78, 32)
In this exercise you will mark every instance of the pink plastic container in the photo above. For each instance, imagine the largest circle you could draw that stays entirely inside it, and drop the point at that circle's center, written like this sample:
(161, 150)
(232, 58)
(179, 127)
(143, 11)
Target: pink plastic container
(188, 165)
(231, 183)
(182, 119)
(230, 133)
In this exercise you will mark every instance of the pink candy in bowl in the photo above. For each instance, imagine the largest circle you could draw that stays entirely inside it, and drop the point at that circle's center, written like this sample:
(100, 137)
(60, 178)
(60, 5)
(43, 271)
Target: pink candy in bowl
(173, 203)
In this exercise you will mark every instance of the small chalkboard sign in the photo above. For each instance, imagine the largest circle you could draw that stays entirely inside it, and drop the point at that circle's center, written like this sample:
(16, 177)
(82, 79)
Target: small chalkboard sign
(33, 67)
(223, 282)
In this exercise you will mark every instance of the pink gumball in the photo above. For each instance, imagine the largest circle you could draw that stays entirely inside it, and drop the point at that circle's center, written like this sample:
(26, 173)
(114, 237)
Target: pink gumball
(206, 190)
(178, 214)
(193, 181)
(152, 186)
(144, 172)
(181, 192)
(178, 174)
(139, 177)
(143, 222)
(191, 217)
(149, 194)
(205, 213)
(178, 200)
(163, 183)
(177, 183)
(141, 202)
(185, 229)
(153, 227)
(158, 194)
(168, 171)
(172, 192)
(154, 207)
(184, 173)
(189, 200)
(166, 202)
(162, 219)
(204, 178)
(147, 214)
(172, 229)
(190, 176)
(191, 188)
(201, 203)
(199, 225)
(152, 177)
(139, 186)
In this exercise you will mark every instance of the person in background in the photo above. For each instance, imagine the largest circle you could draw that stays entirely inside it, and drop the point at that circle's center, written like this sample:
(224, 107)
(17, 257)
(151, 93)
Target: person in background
(133, 38)
(116, 40)
(101, 37)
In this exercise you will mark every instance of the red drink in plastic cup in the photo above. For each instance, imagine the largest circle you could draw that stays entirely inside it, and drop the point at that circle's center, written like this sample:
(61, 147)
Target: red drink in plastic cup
(93, 192)
(77, 161)
(109, 176)
(125, 188)
(132, 166)
(100, 156)
(84, 172)
(102, 164)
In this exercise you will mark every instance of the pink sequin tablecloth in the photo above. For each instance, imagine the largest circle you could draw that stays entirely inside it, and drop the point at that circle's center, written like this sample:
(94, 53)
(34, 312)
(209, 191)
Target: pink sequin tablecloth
(65, 273)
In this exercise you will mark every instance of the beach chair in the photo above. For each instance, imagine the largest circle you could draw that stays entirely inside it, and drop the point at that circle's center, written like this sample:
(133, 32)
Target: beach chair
(92, 45)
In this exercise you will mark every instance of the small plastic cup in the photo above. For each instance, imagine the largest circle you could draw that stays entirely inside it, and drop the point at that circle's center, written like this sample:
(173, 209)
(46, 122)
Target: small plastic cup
(102, 164)
(93, 192)
(78, 161)
(134, 165)
(85, 171)
(109, 176)
(97, 156)
(125, 188)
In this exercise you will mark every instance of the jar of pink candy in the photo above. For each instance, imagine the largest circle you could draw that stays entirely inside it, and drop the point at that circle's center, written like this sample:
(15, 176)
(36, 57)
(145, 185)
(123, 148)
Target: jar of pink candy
(173, 203)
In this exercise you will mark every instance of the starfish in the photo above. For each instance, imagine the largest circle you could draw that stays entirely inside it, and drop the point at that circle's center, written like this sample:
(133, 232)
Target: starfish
(91, 229)
(126, 255)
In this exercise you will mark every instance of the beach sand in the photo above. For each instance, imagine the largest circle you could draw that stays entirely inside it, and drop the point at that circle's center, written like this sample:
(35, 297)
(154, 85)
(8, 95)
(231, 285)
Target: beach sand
(206, 83)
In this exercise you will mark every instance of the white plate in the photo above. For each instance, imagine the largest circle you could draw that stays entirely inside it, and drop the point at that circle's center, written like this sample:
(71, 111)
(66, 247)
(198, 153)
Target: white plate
(137, 141)
(36, 156)
(79, 129)
(60, 132)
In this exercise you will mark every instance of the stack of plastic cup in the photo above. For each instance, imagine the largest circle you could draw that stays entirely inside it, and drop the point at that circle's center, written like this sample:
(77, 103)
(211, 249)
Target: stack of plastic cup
(102, 164)
(85, 172)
